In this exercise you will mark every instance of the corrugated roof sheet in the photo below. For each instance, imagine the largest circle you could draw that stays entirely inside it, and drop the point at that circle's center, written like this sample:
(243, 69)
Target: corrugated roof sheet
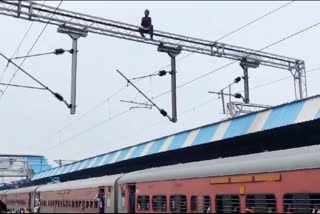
(38, 163)
(279, 116)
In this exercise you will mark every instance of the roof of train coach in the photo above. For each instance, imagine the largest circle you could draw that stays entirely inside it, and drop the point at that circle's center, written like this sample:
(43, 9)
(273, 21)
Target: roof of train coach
(81, 184)
(283, 160)
(279, 116)
(22, 190)
(2, 192)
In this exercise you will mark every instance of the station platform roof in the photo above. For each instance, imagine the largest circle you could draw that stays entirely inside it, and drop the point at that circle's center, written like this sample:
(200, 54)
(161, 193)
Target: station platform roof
(257, 122)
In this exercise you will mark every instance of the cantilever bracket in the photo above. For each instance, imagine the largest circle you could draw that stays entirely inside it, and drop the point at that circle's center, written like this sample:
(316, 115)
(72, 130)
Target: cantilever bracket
(172, 52)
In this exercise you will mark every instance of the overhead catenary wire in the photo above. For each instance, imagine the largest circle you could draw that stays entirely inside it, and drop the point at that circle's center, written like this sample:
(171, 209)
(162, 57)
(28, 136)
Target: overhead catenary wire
(33, 45)
(58, 51)
(159, 121)
(108, 119)
(22, 40)
(232, 62)
(242, 27)
(162, 111)
(168, 65)
(281, 79)
(198, 106)
(23, 86)
(57, 95)
(208, 73)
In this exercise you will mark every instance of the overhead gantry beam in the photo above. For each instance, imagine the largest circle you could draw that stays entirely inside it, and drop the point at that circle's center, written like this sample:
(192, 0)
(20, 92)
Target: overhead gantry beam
(36, 12)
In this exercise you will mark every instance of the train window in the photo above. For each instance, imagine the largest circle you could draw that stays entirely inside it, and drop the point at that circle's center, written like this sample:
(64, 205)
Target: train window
(200, 204)
(60, 203)
(95, 204)
(159, 203)
(143, 202)
(178, 203)
(227, 204)
(77, 203)
(301, 203)
(91, 204)
(87, 204)
(72, 203)
(261, 203)
(64, 203)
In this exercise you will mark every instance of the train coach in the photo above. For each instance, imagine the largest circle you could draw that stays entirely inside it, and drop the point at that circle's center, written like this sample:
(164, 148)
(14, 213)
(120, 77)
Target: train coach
(285, 181)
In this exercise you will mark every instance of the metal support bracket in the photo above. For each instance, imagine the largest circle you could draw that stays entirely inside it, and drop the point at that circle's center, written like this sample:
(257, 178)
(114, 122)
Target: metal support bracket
(245, 65)
(300, 80)
(75, 34)
(238, 108)
(143, 105)
(19, 9)
(172, 52)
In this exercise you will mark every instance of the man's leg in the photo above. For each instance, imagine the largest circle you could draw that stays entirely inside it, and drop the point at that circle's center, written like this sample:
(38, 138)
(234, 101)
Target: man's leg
(151, 32)
(141, 31)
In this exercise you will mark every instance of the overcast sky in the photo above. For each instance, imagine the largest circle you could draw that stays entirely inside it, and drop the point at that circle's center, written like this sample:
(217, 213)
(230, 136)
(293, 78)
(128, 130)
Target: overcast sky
(30, 119)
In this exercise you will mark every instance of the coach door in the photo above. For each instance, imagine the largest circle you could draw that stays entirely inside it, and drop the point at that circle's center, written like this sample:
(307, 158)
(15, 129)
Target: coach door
(31, 200)
(132, 198)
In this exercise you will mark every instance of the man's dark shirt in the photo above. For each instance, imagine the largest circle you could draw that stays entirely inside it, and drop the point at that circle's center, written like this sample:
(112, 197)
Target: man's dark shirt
(146, 22)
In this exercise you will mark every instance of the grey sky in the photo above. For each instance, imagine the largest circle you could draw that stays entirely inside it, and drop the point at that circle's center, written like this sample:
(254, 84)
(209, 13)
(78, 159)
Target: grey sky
(31, 119)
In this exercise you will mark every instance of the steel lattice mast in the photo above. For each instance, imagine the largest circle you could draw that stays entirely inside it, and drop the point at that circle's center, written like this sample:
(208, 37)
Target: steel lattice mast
(36, 12)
